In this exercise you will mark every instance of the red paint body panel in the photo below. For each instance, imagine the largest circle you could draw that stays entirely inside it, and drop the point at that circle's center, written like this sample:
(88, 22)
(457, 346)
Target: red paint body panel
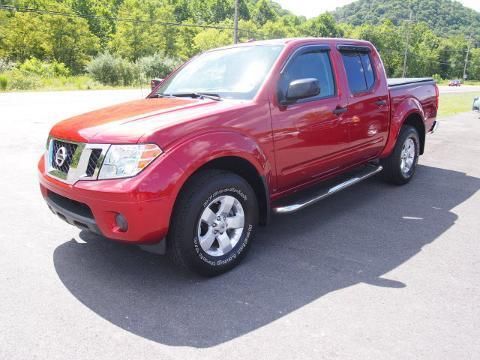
(407, 100)
(291, 147)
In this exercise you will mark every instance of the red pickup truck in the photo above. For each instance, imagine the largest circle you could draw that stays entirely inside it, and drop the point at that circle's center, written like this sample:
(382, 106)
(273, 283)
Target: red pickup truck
(230, 136)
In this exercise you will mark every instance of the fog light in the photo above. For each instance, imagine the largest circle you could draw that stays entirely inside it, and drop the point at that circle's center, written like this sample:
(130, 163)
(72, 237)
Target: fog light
(121, 222)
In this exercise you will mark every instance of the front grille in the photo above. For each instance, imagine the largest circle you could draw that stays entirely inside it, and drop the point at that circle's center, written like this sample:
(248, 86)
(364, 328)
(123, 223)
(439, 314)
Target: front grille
(71, 161)
(93, 162)
(69, 155)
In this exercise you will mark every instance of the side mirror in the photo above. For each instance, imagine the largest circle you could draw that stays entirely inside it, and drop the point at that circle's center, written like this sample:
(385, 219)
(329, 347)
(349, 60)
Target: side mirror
(155, 82)
(302, 89)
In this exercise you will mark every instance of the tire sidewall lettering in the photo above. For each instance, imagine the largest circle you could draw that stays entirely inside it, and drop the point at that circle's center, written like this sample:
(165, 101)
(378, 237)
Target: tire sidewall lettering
(242, 197)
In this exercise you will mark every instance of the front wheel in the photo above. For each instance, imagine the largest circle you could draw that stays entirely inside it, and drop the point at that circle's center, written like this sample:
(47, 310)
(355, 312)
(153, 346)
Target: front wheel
(213, 223)
(400, 166)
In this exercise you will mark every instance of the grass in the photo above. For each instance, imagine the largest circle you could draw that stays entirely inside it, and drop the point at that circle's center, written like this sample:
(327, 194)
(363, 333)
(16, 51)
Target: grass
(451, 104)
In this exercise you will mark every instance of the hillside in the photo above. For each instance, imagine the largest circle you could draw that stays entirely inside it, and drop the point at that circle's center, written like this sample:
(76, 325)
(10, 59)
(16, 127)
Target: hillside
(445, 17)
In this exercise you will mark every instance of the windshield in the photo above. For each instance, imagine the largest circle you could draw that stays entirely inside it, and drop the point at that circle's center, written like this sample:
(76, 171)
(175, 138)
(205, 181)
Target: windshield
(234, 73)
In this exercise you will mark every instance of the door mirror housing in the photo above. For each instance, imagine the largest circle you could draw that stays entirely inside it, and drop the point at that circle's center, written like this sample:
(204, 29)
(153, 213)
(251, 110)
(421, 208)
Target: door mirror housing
(155, 82)
(302, 89)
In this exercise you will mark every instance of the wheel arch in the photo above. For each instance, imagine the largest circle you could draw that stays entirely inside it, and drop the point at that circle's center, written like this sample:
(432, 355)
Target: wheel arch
(231, 151)
(246, 170)
(416, 121)
(407, 112)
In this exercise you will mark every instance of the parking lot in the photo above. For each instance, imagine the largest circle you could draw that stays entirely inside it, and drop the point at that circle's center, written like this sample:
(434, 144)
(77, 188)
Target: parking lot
(375, 272)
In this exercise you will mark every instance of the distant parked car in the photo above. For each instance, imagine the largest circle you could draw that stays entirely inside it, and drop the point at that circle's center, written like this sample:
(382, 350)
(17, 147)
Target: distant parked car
(455, 83)
(476, 104)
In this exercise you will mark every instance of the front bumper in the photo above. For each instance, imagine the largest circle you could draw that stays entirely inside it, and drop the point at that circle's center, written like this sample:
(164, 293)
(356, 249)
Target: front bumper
(145, 201)
(74, 213)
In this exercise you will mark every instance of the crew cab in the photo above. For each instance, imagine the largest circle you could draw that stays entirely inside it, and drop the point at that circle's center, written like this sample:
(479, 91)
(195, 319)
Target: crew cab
(232, 136)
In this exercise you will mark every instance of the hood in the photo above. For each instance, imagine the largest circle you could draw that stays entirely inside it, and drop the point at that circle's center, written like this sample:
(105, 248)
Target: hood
(128, 122)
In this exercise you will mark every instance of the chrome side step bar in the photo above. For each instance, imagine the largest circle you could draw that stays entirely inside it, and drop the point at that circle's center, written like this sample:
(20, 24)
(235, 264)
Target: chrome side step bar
(304, 201)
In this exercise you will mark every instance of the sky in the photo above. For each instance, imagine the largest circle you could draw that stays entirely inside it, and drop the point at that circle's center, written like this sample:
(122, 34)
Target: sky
(311, 8)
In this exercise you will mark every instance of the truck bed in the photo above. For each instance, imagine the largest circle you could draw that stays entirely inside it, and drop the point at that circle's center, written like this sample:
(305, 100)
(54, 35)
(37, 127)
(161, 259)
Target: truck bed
(422, 90)
(394, 82)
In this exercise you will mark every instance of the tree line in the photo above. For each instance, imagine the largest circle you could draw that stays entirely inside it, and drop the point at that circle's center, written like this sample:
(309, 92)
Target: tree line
(162, 33)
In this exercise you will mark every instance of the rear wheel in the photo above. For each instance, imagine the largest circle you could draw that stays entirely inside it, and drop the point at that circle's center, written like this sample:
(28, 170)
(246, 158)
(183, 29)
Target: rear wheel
(400, 166)
(213, 223)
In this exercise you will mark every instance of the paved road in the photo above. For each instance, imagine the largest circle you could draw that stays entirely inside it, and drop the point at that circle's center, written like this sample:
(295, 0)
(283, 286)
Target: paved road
(376, 272)
(459, 89)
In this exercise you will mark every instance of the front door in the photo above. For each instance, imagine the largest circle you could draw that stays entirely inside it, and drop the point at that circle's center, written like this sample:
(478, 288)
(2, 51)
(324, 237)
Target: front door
(310, 135)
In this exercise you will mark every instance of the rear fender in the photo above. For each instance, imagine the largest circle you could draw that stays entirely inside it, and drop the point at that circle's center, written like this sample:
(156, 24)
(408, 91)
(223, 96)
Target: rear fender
(399, 114)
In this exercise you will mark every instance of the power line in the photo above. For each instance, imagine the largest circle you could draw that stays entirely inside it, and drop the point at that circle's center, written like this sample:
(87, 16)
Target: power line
(86, 16)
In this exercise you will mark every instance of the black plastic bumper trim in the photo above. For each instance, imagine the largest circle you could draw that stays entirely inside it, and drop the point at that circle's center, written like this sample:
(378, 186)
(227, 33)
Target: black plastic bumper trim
(72, 218)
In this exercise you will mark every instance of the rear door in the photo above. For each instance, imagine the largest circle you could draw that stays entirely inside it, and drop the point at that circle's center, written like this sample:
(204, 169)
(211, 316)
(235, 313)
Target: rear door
(368, 103)
(310, 135)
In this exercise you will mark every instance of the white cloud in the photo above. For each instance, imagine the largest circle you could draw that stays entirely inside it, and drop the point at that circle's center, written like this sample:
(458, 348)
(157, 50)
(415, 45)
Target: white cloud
(311, 8)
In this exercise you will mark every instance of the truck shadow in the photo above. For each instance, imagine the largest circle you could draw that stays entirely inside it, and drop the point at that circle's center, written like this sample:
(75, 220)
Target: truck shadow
(354, 237)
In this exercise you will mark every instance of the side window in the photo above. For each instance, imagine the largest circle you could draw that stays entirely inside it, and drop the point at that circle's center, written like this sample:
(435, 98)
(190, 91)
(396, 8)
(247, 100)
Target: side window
(368, 70)
(311, 65)
(359, 71)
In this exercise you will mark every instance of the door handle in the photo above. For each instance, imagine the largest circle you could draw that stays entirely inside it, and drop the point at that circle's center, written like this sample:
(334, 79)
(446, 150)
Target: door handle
(340, 110)
(381, 102)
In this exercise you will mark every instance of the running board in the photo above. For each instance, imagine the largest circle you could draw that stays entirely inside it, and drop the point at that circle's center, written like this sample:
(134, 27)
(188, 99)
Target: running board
(300, 201)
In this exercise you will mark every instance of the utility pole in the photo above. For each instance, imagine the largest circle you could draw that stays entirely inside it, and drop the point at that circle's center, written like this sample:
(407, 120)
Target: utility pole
(466, 58)
(406, 47)
(235, 24)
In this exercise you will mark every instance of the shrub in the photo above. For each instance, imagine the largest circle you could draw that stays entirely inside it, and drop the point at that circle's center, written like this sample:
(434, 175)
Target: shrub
(3, 82)
(20, 80)
(437, 78)
(5, 65)
(44, 69)
(156, 66)
(112, 70)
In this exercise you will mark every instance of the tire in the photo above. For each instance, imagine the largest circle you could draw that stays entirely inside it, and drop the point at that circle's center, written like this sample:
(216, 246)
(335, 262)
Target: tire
(400, 166)
(203, 237)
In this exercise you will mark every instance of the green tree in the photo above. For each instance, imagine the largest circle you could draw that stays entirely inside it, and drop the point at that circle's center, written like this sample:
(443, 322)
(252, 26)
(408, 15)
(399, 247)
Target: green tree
(100, 15)
(211, 38)
(48, 37)
(264, 12)
(321, 26)
(473, 68)
(147, 32)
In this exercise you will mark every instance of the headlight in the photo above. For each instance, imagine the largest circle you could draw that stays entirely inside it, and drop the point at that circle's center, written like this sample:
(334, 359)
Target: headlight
(127, 160)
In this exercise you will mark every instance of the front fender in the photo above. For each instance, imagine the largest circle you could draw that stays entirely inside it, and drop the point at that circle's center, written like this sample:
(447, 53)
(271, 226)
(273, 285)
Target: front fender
(195, 152)
(399, 113)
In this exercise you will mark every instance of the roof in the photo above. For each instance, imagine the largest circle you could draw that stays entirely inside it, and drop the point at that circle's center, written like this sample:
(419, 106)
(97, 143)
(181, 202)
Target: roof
(297, 41)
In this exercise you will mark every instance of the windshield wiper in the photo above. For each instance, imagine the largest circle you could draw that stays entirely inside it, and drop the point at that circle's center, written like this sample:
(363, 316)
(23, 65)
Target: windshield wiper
(195, 95)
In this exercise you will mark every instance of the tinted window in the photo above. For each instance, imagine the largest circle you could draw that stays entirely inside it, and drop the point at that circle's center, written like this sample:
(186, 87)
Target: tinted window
(311, 65)
(368, 70)
(354, 68)
(359, 71)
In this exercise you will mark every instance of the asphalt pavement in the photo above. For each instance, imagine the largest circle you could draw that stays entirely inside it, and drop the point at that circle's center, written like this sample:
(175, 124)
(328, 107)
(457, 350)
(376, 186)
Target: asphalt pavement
(375, 272)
